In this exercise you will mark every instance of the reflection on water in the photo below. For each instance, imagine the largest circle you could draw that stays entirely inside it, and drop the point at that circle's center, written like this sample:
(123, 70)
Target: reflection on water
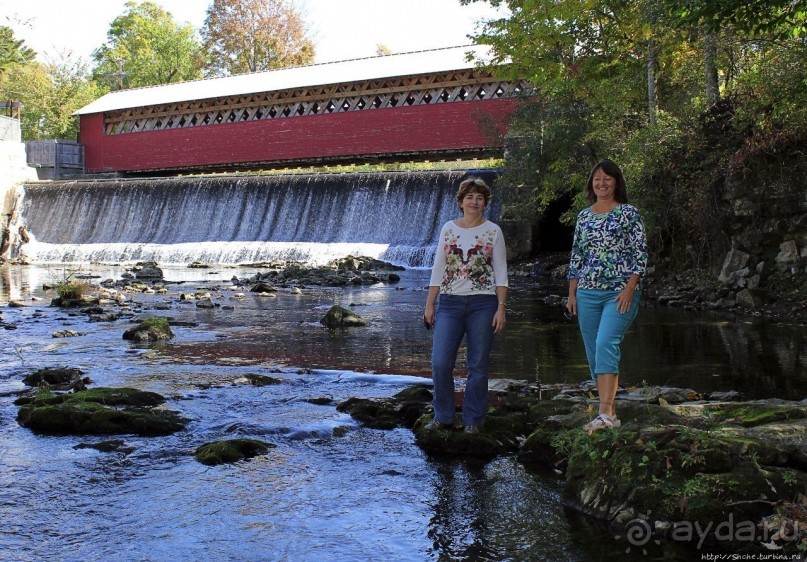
(330, 489)
(702, 351)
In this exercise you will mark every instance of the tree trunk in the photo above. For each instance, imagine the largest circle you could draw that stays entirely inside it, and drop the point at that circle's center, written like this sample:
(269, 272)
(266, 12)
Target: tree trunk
(652, 98)
(710, 67)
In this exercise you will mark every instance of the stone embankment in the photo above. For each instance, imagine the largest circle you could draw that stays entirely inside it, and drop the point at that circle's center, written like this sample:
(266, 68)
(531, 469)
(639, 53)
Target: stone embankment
(734, 290)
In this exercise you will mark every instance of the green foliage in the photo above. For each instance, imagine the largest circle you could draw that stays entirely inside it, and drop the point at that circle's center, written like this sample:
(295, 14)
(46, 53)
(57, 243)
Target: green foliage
(158, 323)
(13, 51)
(49, 94)
(71, 289)
(779, 18)
(254, 35)
(655, 86)
(146, 47)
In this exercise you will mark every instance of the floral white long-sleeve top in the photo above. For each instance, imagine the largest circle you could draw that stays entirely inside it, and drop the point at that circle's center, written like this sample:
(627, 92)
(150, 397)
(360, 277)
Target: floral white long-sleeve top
(470, 261)
(608, 248)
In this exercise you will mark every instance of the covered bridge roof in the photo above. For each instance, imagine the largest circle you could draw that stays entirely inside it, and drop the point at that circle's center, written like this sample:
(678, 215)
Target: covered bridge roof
(353, 70)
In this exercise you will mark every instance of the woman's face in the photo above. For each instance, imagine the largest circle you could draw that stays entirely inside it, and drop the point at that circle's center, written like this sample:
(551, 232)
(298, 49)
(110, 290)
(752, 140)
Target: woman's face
(604, 185)
(473, 203)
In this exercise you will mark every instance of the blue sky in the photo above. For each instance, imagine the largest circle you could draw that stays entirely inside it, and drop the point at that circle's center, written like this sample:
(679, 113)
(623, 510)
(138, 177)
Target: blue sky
(341, 29)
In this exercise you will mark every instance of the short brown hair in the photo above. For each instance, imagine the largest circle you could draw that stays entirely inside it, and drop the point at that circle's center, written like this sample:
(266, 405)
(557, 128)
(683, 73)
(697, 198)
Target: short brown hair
(473, 184)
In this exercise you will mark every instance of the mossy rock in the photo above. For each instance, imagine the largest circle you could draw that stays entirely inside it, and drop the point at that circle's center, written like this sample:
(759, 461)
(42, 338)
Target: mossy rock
(100, 411)
(340, 317)
(151, 329)
(751, 414)
(375, 414)
(415, 393)
(455, 443)
(230, 451)
(127, 397)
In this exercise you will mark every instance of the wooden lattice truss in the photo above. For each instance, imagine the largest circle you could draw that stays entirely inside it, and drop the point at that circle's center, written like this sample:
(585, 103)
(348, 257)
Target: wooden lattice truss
(448, 87)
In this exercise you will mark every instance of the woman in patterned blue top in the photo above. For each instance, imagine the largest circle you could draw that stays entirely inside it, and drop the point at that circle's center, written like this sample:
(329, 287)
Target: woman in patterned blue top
(608, 259)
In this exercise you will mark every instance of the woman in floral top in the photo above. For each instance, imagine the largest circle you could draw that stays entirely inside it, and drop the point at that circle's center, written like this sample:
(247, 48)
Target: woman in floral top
(608, 259)
(470, 277)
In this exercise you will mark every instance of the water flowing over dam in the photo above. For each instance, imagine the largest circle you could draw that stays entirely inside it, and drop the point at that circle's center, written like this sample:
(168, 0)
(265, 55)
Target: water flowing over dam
(393, 216)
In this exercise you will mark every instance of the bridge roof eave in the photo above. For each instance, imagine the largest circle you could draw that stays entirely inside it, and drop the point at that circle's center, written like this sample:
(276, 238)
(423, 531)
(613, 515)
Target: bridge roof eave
(340, 72)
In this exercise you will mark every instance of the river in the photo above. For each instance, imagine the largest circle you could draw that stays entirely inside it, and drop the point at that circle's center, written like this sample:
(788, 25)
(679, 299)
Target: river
(330, 490)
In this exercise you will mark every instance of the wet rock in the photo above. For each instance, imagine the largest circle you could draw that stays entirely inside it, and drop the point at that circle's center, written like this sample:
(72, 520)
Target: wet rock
(100, 411)
(205, 302)
(263, 288)
(402, 410)
(657, 394)
(152, 329)
(66, 334)
(58, 377)
(363, 263)
(147, 270)
(341, 317)
(199, 265)
(258, 380)
(230, 451)
(729, 396)
(112, 446)
(73, 302)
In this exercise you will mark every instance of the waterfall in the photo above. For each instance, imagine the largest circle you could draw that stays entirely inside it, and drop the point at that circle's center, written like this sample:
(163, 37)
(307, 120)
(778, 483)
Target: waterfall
(314, 218)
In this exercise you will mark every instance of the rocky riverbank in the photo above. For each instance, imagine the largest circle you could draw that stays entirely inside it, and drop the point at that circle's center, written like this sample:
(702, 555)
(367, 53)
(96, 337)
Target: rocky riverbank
(734, 471)
(733, 290)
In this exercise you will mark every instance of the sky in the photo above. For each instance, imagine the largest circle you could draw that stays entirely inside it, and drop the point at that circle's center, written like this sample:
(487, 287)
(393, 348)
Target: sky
(340, 29)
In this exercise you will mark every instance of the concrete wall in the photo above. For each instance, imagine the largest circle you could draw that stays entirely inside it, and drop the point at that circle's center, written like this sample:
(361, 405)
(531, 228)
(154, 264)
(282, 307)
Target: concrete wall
(13, 171)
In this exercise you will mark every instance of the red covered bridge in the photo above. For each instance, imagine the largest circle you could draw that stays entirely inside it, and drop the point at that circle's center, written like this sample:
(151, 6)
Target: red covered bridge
(426, 104)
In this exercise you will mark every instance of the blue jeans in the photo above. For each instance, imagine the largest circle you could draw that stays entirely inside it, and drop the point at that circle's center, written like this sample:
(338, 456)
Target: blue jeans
(472, 317)
(603, 328)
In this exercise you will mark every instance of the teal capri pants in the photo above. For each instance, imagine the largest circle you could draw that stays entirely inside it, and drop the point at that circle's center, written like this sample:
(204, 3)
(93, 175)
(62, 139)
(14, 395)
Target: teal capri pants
(603, 328)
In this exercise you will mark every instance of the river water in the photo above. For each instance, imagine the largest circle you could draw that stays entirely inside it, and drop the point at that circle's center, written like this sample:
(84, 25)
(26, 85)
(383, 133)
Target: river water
(330, 490)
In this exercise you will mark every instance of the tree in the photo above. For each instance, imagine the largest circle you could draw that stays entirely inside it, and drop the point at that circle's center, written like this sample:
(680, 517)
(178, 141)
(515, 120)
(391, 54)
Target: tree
(678, 91)
(49, 93)
(254, 35)
(146, 47)
(13, 51)
(771, 18)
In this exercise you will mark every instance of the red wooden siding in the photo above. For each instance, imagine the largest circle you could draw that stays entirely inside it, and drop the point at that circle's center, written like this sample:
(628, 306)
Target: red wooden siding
(423, 129)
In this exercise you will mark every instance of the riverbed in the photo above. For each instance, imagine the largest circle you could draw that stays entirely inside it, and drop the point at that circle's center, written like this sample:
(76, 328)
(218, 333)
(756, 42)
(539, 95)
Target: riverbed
(331, 489)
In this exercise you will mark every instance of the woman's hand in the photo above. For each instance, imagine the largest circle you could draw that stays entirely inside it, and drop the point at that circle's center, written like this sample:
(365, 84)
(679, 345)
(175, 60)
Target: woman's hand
(624, 300)
(571, 305)
(428, 314)
(499, 320)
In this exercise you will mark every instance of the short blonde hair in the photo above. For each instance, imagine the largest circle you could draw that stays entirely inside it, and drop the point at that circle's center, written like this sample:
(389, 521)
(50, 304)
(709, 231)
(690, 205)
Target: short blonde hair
(473, 184)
